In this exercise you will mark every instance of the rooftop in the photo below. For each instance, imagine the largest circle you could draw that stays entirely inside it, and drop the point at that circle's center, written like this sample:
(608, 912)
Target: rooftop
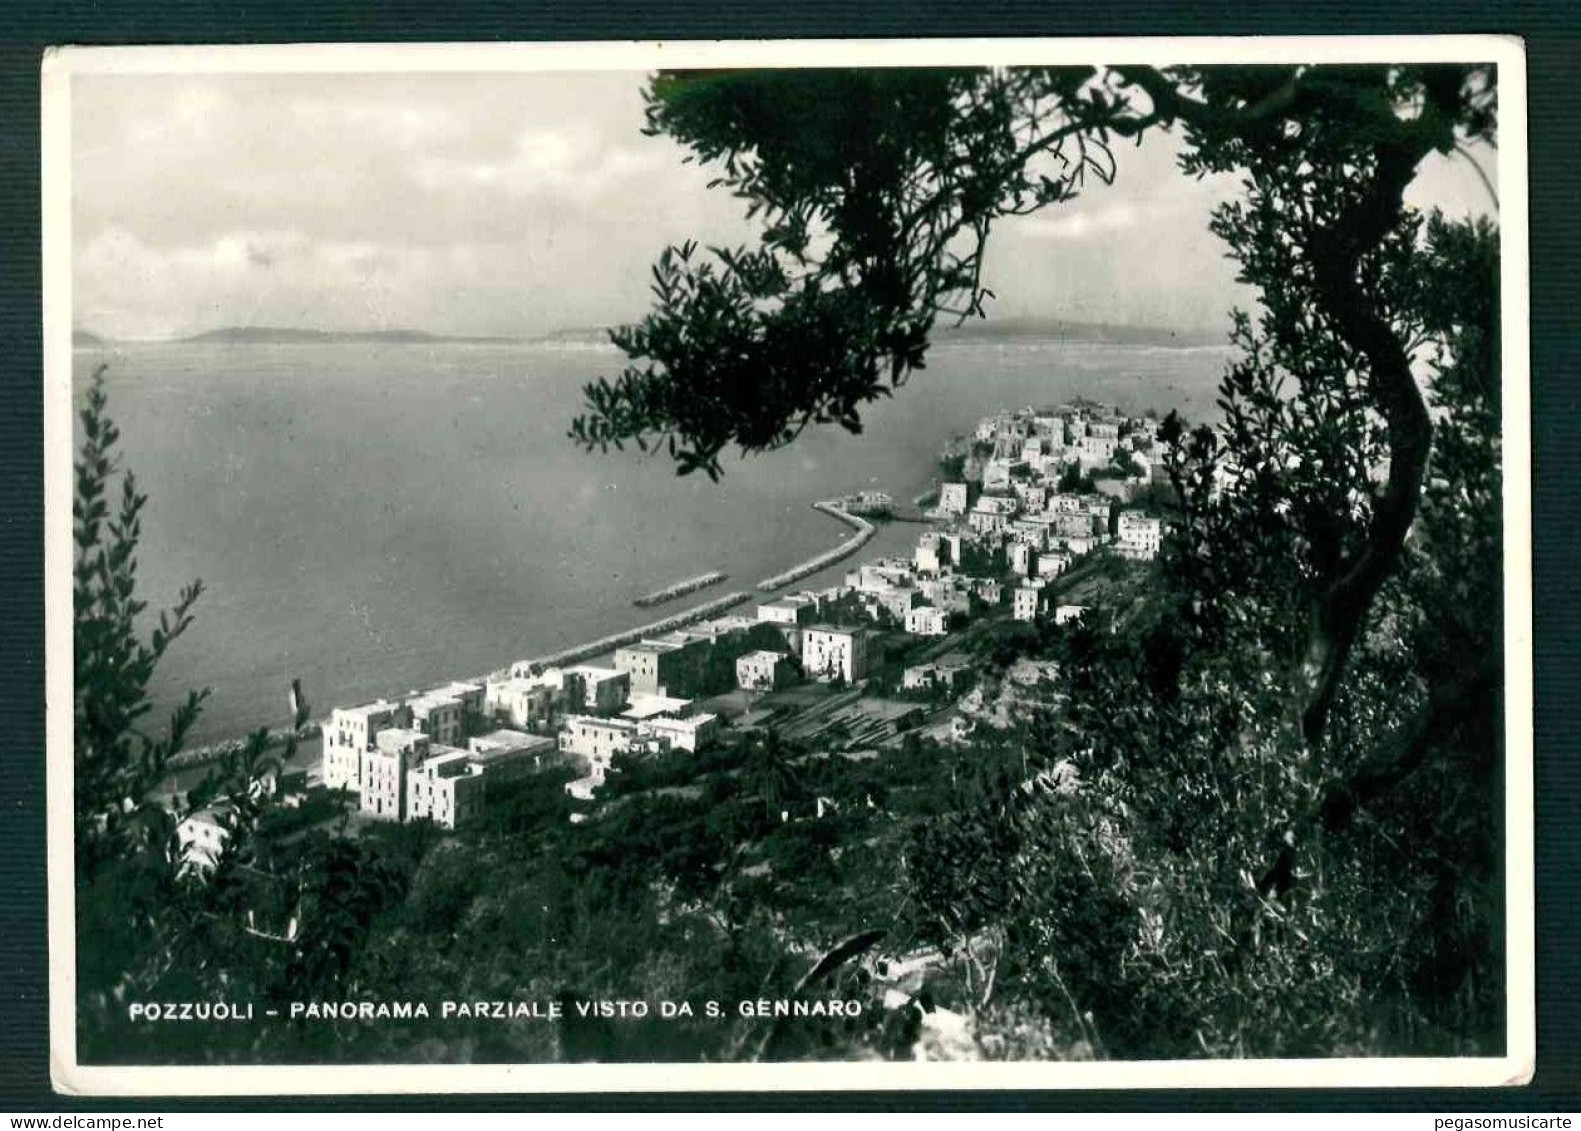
(650, 706)
(378, 706)
(655, 646)
(692, 722)
(499, 742)
(833, 629)
(594, 721)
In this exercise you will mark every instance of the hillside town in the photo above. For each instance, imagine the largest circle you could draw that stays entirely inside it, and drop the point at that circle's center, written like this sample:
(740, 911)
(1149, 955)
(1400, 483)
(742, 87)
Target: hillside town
(1025, 499)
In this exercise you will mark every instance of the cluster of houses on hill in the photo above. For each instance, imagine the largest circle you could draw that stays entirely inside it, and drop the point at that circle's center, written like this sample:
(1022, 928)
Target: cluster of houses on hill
(1043, 487)
(1017, 517)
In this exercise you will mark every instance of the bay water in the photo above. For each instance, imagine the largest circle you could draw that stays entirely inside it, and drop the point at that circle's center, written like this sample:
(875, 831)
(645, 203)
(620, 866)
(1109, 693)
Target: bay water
(372, 518)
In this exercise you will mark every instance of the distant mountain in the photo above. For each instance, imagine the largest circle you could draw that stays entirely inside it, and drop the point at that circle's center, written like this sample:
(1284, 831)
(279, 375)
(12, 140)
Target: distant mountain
(254, 335)
(1108, 333)
(576, 336)
(992, 329)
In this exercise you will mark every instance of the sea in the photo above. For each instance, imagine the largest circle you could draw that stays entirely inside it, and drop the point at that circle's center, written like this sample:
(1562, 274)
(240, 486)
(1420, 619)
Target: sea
(374, 518)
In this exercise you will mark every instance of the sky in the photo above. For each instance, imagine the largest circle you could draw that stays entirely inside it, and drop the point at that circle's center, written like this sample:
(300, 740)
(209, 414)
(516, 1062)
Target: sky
(518, 205)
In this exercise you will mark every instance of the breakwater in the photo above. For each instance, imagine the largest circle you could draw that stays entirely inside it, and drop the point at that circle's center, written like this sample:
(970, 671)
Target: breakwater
(864, 531)
(680, 589)
(214, 751)
(632, 635)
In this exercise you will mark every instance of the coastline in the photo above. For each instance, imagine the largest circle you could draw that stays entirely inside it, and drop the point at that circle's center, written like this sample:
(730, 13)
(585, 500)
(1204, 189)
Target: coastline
(197, 756)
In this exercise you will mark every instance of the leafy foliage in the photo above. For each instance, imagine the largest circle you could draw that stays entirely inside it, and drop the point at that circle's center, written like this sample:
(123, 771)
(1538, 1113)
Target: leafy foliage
(876, 190)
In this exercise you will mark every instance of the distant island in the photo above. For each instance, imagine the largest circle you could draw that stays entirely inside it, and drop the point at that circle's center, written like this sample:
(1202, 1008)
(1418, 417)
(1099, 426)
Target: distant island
(1108, 333)
(992, 329)
(290, 335)
(250, 335)
(975, 331)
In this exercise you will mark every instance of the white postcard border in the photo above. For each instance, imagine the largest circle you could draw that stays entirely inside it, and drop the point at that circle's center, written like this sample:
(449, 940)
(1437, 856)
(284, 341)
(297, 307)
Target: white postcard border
(1514, 1068)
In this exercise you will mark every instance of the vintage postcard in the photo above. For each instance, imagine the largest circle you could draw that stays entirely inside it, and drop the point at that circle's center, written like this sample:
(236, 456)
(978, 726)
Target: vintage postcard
(937, 564)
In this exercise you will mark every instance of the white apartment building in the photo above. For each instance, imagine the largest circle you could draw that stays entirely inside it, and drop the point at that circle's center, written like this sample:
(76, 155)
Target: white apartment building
(596, 739)
(350, 733)
(927, 620)
(1079, 525)
(447, 789)
(787, 611)
(397, 751)
(523, 702)
(1032, 495)
(1095, 451)
(1025, 601)
(827, 652)
(471, 696)
(996, 474)
(991, 514)
(439, 715)
(930, 555)
(506, 755)
(650, 664)
(201, 839)
(1064, 614)
(1021, 558)
(952, 499)
(693, 733)
(1052, 565)
(600, 690)
(763, 671)
(1139, 536)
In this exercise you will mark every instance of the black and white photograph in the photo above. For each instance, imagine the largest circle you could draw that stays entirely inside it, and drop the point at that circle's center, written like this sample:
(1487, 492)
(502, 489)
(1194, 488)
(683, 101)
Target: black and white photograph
(848, 565)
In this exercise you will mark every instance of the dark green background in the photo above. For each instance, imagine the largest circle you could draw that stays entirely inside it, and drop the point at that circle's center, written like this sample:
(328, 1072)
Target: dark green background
(1552, 31)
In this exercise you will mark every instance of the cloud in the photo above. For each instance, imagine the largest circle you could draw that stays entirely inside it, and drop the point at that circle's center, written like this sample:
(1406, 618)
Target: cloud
(1095, 223)
(516, 204)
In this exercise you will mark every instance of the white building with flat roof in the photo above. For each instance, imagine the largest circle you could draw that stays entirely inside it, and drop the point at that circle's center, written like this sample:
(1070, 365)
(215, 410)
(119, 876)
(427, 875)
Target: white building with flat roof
(350, 733)
(1139, 536)
(600, 690)
(764, 670)
(1064, 614)
(597, 739)
(644, 706)
(1025, 601)
(506, 755)
(926, 620)
(827, 652)
(650, 664)
(693, 733)
(787, 611)
(397, 751)
(521, 702)
(447, 789)
(439, 715)
(952, 499)
(201, 839)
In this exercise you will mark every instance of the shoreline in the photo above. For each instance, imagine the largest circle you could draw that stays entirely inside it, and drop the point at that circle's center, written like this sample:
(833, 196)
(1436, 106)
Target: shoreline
(197, 756)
